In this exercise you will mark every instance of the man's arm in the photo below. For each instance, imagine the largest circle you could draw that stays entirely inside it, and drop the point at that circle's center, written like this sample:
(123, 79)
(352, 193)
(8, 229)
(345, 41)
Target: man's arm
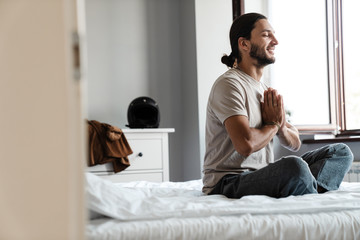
(247, 140)
(289, 137)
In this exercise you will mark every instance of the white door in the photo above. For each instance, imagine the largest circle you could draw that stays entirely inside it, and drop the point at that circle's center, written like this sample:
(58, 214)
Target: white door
(41, 122)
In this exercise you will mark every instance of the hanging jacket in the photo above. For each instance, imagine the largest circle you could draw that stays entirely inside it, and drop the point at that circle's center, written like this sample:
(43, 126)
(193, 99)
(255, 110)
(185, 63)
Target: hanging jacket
(108, 144)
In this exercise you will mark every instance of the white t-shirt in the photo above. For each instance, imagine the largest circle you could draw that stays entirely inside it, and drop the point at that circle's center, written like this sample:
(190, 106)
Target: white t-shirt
(233, 93)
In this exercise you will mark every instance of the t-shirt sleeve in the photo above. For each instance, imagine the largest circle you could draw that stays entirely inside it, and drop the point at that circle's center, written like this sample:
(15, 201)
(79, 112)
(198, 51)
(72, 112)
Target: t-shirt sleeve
(228, 99)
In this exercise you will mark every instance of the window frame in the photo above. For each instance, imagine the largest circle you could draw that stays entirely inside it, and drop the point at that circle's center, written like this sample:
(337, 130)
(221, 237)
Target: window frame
(335, 8)
(334, 73)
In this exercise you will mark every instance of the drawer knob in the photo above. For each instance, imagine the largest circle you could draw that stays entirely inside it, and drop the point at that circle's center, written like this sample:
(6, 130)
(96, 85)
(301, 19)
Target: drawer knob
(140, 154)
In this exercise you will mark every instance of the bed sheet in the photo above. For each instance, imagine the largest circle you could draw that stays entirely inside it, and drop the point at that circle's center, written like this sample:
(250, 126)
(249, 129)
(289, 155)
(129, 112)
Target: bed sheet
(145, 210)
(321, 226)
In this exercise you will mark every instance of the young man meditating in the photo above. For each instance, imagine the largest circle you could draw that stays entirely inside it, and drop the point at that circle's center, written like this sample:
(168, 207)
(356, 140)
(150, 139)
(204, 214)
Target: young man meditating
(243, 117)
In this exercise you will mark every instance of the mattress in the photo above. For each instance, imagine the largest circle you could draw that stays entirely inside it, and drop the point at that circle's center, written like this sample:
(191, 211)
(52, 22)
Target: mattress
(179, 210)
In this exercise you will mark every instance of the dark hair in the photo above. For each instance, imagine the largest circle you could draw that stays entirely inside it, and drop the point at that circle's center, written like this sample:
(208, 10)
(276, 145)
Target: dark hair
(241, 27)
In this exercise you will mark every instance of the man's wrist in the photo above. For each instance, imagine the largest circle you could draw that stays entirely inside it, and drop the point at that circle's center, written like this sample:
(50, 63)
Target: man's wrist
(274, 124)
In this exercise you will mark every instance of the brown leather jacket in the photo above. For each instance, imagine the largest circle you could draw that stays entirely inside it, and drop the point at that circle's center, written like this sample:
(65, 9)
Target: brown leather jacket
(108, 144)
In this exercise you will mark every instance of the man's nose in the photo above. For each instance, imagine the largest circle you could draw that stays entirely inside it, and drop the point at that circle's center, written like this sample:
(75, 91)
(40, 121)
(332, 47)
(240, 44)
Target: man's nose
(274, 40)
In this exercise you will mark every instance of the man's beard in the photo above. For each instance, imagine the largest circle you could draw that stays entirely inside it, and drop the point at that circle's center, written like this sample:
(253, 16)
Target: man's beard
(260, 56)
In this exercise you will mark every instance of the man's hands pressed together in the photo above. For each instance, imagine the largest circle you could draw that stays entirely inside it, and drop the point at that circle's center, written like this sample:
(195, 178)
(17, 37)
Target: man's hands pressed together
(272, 109)
(273, 113)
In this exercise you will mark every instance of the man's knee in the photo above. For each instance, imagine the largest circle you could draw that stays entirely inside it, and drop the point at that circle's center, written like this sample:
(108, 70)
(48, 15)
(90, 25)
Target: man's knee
(296, 166)
(298, 169)
(343, 155)
(342, 150)
(300, 177)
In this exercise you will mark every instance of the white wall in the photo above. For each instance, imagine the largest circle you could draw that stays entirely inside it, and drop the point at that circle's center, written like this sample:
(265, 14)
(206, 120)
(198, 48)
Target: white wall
(213, 22)
(190, 107)
(117, 57)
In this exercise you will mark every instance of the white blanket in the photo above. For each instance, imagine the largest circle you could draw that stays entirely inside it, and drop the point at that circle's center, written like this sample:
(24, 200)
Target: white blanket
(145, 201)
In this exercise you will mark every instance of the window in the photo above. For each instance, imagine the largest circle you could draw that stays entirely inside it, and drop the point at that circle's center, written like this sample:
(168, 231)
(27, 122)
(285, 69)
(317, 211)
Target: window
(351, 53)
(317, 68)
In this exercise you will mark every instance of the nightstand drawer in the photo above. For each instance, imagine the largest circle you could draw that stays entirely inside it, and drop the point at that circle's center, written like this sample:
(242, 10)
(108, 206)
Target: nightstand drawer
(147, 154)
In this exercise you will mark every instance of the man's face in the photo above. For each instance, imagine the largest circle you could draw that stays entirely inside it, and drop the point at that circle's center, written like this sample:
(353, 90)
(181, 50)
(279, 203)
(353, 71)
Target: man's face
(263, 43)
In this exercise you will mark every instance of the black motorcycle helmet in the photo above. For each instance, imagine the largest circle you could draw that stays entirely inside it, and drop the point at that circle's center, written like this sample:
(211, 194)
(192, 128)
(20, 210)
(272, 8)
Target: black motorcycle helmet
(143, 112)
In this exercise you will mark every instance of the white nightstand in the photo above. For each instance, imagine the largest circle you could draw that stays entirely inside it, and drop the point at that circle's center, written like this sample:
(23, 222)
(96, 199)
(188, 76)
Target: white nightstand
(149, 161)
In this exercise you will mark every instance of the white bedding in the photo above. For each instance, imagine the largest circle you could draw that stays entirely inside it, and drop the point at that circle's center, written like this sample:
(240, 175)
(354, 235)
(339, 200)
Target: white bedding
(145, 210)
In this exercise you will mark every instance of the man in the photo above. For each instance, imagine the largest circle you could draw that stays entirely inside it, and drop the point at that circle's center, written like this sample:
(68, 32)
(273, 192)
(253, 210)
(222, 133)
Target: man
(244, 115)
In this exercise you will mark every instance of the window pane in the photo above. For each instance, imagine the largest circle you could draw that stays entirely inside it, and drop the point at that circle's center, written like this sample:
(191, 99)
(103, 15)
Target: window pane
(351, 51)
(300, 72)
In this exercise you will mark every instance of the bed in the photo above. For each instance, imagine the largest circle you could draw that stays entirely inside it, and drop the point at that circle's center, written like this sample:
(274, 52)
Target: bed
(179, 210)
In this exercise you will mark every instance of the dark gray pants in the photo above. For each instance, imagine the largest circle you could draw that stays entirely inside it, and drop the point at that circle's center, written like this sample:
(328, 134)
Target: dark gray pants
(322, 168)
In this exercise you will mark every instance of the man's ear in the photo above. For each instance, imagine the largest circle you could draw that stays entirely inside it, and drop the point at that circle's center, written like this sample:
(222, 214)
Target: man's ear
(243, 43)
